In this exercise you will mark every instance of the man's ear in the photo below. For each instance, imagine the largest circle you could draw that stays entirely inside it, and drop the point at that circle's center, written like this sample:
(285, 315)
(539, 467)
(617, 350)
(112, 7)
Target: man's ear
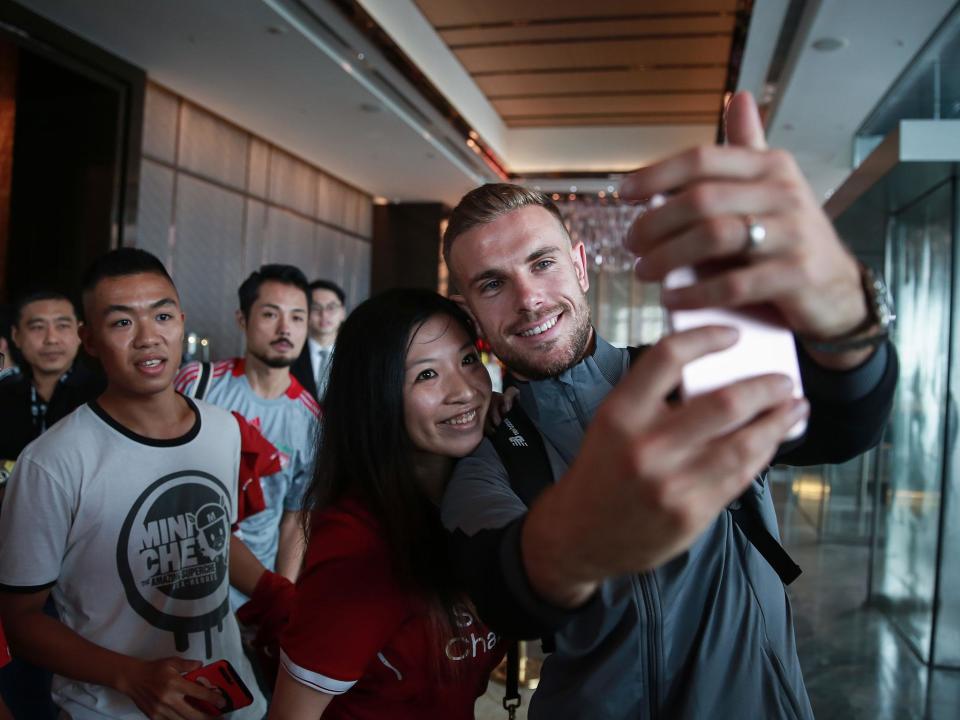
(578, 254)
(462, 303)
(241, 320)
(14, 333)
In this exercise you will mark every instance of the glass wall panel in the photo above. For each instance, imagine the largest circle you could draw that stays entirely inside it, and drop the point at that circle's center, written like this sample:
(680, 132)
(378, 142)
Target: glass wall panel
(946, 639)
(929, 89)
(920, 271)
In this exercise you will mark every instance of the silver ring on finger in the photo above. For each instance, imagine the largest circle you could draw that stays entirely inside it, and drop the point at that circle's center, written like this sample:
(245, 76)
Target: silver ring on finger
(756, 233)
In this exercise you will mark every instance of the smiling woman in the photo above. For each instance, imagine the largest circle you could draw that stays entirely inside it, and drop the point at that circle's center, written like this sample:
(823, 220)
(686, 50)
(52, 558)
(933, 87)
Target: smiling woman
(379, 627)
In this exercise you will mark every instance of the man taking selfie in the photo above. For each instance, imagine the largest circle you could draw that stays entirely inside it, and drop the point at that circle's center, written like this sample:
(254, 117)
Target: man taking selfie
(632, 562)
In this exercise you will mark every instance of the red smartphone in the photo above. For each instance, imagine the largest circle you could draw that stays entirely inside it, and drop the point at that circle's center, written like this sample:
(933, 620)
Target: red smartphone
(220, 677)
(765, 346)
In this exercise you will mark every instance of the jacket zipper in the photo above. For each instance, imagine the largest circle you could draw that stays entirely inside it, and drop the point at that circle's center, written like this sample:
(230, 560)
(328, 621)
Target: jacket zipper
(653, 630)
(575, 401)
(646, 582)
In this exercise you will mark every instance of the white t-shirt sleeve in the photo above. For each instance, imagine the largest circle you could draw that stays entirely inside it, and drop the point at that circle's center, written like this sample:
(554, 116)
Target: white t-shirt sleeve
(34, 527)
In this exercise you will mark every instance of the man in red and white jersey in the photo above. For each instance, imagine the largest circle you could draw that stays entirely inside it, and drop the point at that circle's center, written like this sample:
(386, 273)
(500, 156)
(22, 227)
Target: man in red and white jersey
(273, 315)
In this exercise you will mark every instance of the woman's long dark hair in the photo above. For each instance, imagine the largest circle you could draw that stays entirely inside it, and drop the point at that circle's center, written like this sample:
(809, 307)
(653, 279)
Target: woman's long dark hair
(364, 451)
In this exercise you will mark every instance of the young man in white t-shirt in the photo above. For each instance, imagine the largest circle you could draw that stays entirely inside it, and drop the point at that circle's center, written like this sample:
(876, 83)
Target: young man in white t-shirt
(273, 316)
(122, 511)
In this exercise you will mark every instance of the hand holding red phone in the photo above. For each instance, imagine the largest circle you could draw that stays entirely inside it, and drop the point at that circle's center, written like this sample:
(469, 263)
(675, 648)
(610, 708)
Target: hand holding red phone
(221, 678)
(160, 690)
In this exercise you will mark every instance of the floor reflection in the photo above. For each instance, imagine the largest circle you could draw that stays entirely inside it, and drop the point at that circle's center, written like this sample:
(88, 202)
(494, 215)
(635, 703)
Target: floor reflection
(856, 665)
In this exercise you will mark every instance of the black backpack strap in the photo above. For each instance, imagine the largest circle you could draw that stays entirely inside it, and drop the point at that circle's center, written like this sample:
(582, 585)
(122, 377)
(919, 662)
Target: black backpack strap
(203, 380)
(747, 516)
(636, 352)
(524, 454)
(511, 695)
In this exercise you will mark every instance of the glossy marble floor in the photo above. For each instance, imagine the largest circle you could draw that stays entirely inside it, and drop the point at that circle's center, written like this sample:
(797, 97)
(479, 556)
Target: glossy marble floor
(857, 667)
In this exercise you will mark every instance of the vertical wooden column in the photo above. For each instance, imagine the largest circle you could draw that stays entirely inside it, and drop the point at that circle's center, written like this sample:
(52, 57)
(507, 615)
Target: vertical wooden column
(406, 245)
(8, 114)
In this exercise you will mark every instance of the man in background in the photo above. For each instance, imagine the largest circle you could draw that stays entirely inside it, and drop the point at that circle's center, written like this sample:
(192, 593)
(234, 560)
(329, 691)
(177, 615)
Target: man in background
(327, 312)
(273, 316)
(51, 383)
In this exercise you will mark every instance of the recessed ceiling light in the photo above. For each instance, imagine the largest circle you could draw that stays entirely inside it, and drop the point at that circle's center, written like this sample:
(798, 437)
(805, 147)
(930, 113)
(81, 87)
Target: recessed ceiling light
(829, 44)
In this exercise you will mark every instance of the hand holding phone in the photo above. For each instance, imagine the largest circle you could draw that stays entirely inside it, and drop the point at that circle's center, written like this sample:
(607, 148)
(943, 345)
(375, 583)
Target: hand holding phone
(765, 346)
(220, 677)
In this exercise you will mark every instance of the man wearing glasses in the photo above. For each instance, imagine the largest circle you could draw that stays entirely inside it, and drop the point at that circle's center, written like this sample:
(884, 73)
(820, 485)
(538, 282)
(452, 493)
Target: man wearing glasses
(327, 312)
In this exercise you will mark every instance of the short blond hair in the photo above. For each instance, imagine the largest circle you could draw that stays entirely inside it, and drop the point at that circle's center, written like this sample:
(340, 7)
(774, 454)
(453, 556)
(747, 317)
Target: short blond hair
(488, 202)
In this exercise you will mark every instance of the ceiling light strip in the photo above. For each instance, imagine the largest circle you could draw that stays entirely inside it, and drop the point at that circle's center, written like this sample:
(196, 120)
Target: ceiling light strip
(585, 19)
(606, 93)
(582, 40)
(600, 69)
(639, 114)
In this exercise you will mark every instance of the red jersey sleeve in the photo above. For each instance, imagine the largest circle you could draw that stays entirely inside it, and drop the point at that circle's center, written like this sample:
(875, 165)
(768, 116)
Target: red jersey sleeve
(258, 457)
(347, 604)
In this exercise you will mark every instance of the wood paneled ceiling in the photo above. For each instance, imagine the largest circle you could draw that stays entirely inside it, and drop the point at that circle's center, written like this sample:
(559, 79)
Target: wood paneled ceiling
(596, 62)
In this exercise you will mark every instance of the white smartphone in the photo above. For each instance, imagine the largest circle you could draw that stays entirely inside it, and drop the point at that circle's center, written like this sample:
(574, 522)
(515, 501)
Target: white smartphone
(765, 346)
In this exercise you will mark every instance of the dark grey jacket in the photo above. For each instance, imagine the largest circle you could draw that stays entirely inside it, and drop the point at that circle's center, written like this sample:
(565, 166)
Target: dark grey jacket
(707, 635)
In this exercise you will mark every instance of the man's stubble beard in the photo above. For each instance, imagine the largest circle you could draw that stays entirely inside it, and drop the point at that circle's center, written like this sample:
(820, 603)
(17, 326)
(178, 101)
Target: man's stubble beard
(576, 349)
(274, 362)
